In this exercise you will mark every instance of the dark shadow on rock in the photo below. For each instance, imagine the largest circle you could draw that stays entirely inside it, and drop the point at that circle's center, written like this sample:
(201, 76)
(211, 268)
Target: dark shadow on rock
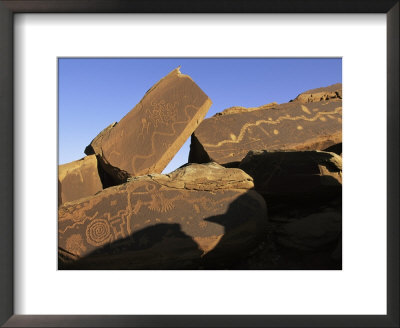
(247, 242)
(271, 254)
(59, 194)
(241, 234)
(166, 246)
(197, 153)
(319, 259)
(106, 179)
(293, 180)
(337, 149)
(231, 165)
(159, 247)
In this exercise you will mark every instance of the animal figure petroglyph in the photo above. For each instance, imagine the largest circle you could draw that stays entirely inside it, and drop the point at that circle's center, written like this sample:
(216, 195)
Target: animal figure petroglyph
(125, 210)
(167, 115)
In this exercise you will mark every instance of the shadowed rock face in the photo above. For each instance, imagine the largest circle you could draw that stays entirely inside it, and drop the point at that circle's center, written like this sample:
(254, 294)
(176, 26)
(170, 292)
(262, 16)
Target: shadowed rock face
(320, 94)
(148, 137)
(311, 232)
(294, 125)
(287, 177)
(78, 179)
(163, 221)
(303, 191)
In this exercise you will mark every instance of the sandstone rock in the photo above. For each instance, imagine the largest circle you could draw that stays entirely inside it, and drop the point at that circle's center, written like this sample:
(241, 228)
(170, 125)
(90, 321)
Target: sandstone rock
(320, 94)
(297, 177)
(197, 214)
(240, 109)
(209, 177)
(78, 179)
(148, 137)
(95, 145)
(295, 126)
(312, 232)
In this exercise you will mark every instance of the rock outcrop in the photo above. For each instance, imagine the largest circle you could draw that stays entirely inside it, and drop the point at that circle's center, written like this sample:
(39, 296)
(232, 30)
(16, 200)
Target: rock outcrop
(334, 91)
(292, 126)
(148, 137)
(312, 232)
(95, 145)
(294, 177)
(200, 214)
(240, 109)
(303, 191)
(116, 211)
(78, 179)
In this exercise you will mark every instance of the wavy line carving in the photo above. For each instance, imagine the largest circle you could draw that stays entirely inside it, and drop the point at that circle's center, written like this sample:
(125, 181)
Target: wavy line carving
(245, 127)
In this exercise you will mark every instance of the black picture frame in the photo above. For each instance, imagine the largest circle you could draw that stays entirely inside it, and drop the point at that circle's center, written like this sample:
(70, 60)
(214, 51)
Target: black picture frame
(10, 7)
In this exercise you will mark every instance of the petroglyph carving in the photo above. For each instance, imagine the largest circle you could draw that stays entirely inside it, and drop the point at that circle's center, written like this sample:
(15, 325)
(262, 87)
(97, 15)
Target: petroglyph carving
(160, 203)
(146, 204)
(246, 127)
(202, 224)
(78, 179)
(118, 228)
(75, 244)
(227, 138)
(305, 109)
(155, 129)
(98, 232)
(163, 112)
(145, 127)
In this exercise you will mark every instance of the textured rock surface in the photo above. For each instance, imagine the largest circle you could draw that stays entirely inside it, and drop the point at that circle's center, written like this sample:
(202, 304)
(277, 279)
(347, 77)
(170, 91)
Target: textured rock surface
(210, 177)
(303, 191)
(303, 238)
(294, 125)
(284, 177)
(311, 232)
(240, 109)
(95, 145)
(197, 214)
(148, 137)
(320, 94)
(78, 179)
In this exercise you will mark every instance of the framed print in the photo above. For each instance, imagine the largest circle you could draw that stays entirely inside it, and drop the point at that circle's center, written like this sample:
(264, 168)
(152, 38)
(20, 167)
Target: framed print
(132, 234)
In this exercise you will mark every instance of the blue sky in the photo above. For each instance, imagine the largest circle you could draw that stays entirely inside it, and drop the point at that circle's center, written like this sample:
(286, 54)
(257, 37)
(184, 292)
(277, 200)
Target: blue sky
(94, 92)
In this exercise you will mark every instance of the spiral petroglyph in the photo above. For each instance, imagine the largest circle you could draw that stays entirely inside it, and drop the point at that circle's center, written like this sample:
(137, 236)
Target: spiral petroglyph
(98, 232)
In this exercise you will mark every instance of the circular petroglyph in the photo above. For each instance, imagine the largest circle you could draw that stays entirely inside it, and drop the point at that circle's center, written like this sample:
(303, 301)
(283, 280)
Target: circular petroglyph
(98, 232)
(150, 187)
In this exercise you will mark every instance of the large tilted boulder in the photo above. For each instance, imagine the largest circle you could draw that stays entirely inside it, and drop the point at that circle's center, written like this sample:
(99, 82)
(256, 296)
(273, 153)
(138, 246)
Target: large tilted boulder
(149, 136)
(78, 179)
(228, 137)
(95, 145)
(200, 214)
(295, 177)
